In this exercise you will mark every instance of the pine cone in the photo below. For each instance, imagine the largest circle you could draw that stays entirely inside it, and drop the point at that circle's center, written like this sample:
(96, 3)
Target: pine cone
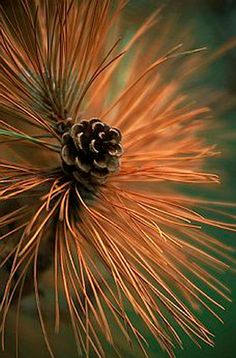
(91, 151)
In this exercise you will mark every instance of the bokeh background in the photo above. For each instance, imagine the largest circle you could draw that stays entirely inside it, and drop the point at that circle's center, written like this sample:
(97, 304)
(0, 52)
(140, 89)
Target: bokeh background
(214, 23)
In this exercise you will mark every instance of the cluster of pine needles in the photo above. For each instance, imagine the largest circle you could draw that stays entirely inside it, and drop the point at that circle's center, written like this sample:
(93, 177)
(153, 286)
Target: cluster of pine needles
(97, 135)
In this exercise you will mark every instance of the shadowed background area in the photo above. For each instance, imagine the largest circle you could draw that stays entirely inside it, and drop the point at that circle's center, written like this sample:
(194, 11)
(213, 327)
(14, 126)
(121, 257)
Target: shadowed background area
(213, 22)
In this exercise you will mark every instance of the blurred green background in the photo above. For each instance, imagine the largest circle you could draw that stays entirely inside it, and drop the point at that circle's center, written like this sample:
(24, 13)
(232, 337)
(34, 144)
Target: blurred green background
(214, 22)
